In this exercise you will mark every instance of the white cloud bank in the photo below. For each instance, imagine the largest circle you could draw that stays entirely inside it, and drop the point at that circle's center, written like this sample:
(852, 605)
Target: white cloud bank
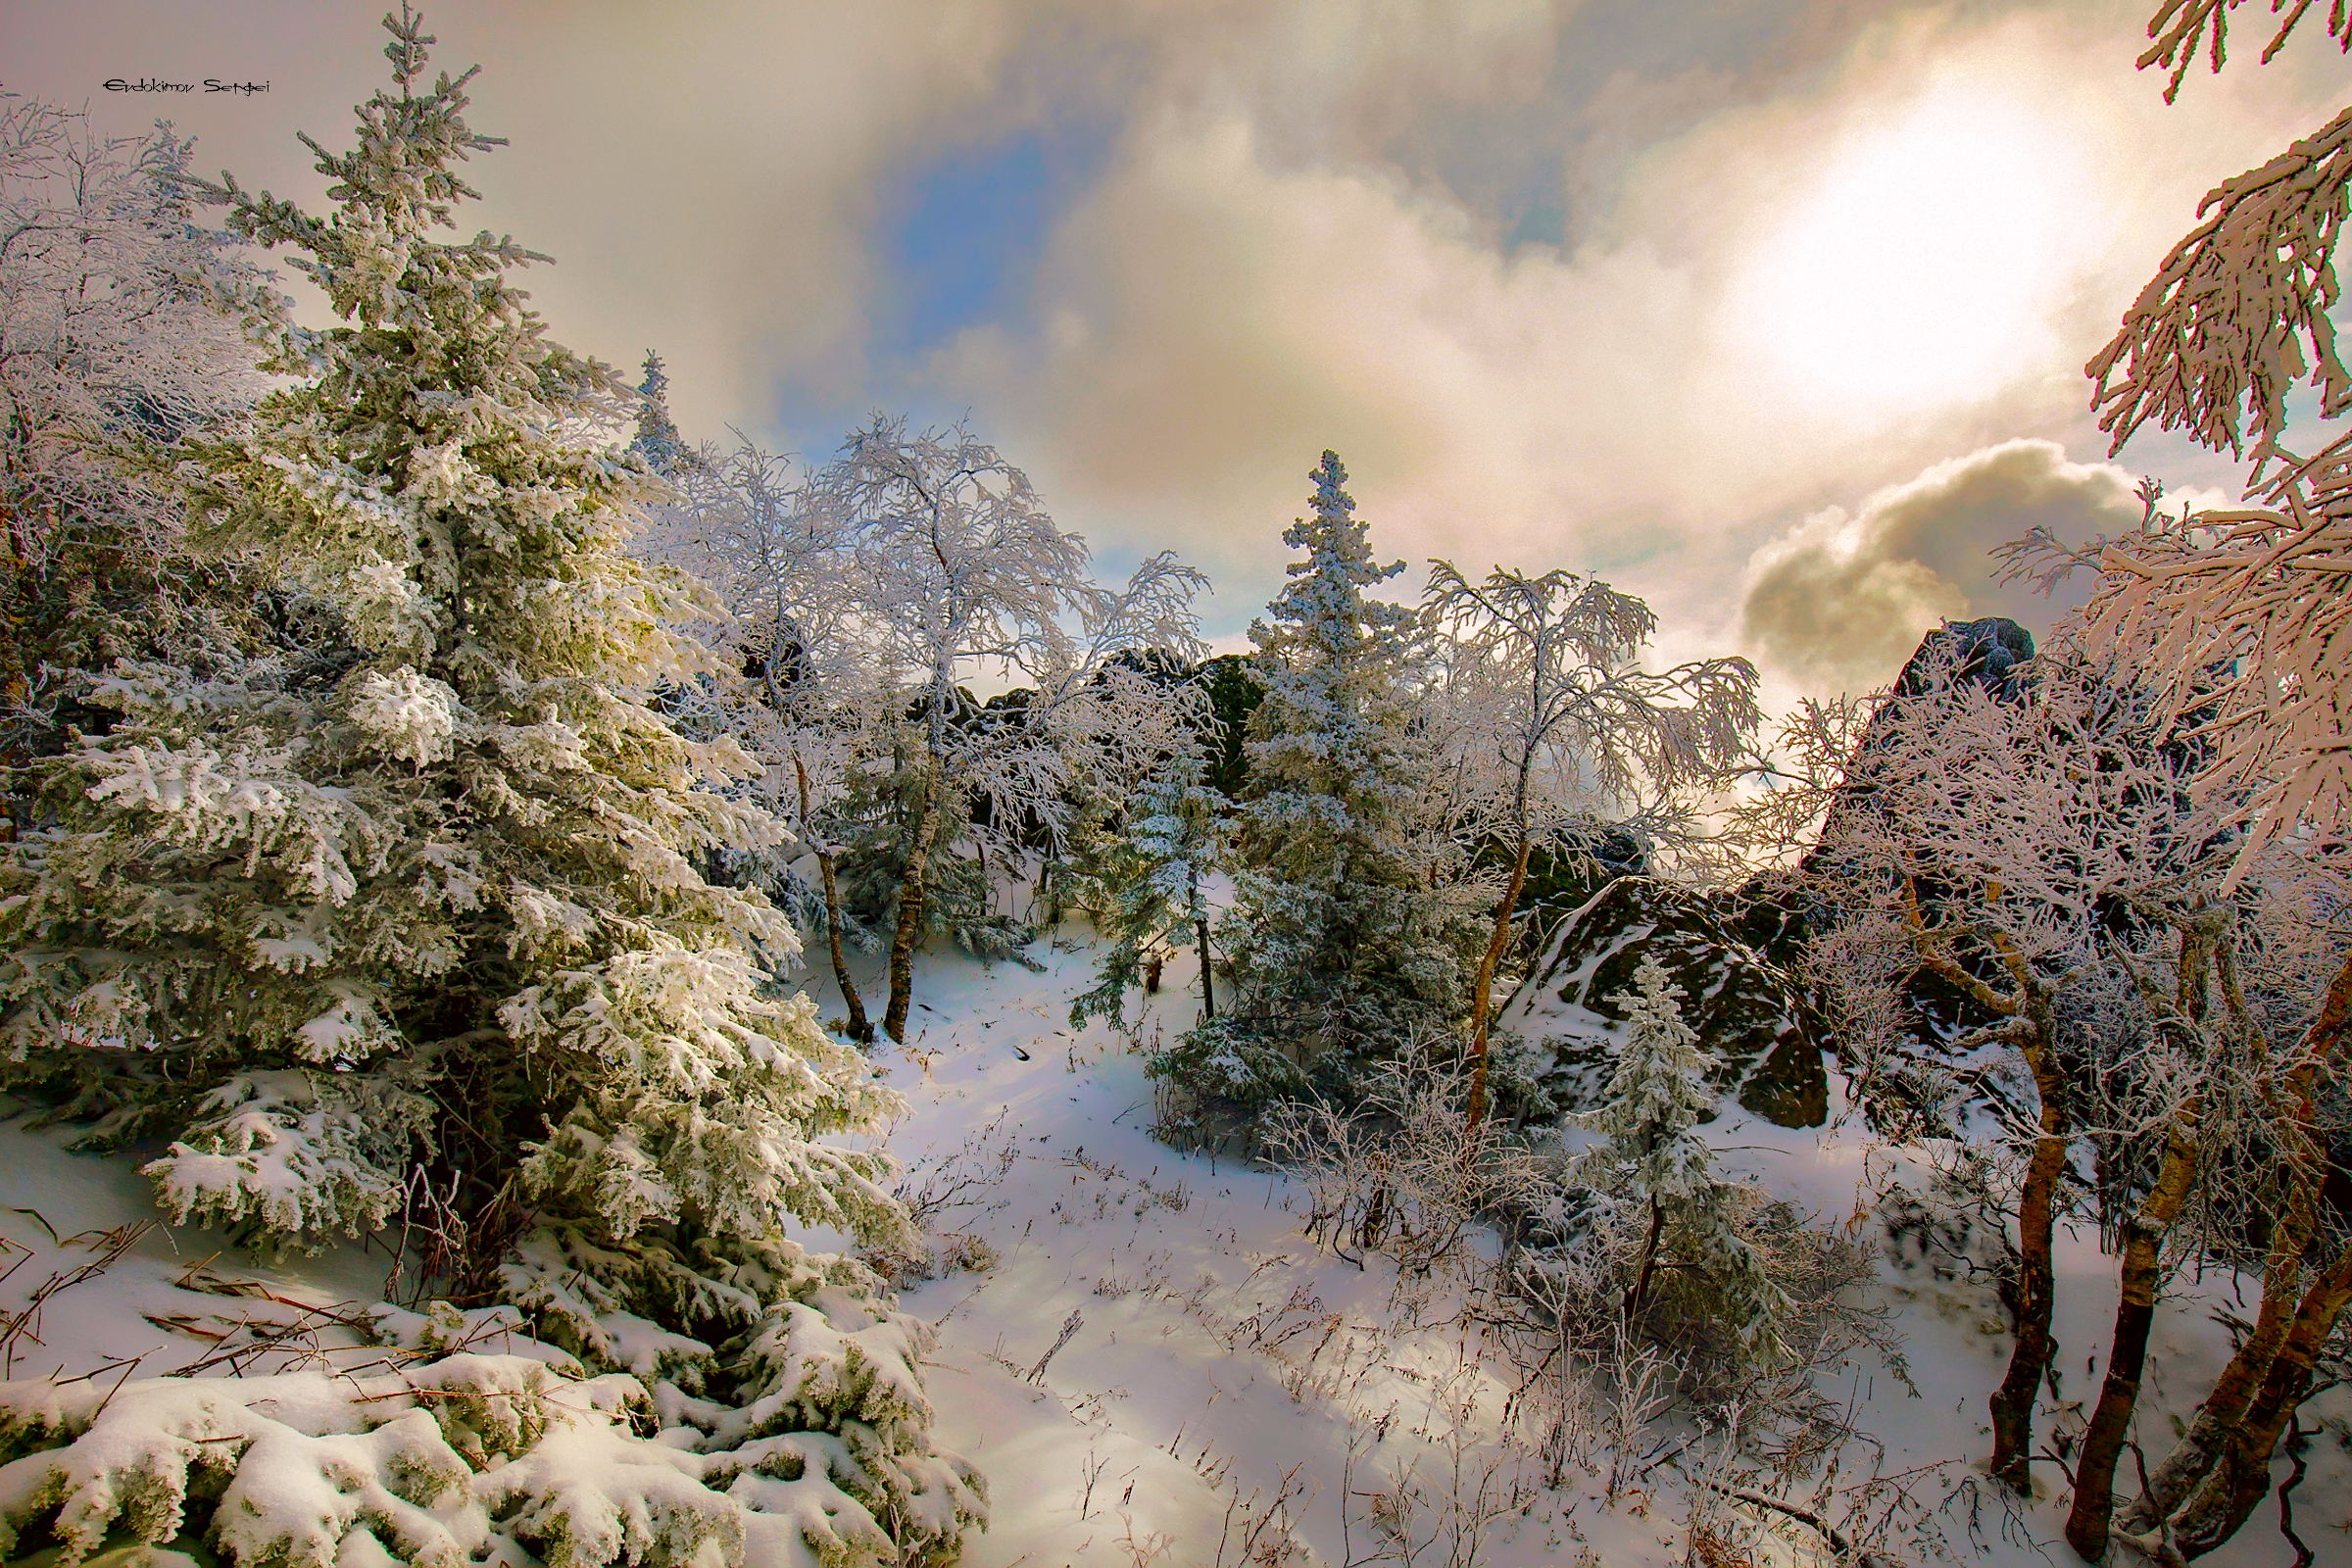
(1811, 251)
(1903, 254)
(1841, 599)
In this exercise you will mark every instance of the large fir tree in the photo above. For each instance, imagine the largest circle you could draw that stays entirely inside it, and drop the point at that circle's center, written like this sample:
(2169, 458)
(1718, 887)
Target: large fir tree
(418, 912)
(454, 845)
(1341, 946)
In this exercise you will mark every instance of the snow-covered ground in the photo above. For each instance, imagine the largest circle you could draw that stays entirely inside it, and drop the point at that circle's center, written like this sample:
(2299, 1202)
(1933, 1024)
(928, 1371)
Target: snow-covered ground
(1150, 1362)
(1201, 1371)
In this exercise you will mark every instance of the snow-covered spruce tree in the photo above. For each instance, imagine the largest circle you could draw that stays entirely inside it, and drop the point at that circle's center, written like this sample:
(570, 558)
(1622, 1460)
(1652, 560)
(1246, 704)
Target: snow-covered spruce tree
(1147, 885)
(658, 439)
(424, 904)
(1658, 1168)
(1341, 946)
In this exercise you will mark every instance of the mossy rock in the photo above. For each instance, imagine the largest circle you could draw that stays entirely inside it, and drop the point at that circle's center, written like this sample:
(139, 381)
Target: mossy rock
(1752, 1013)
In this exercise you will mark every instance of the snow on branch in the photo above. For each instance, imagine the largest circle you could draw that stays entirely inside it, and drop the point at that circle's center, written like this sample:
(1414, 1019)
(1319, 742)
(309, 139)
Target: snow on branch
(2239, 313)
(2179, 26)
(467, 1458)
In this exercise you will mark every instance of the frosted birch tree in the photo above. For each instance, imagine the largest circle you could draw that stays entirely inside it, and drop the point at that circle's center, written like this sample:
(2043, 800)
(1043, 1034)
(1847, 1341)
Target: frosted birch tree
(121, 324)
(964, 571)
(2244, 614)
(800, 690)
(1571, 731)
(1987, 840)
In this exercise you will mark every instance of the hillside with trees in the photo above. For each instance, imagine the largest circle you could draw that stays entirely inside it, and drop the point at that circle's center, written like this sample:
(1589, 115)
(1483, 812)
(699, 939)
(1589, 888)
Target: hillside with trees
(691, 1006)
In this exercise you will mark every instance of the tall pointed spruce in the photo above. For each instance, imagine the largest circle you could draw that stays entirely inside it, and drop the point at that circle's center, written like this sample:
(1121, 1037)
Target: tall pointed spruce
(1341, 948)
(664, 450)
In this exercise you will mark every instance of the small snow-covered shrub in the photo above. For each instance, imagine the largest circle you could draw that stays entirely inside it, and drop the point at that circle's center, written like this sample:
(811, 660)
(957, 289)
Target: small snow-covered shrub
(1641, 1245)
(1145, 885)
(1399, 1170)
(1655, 1175)
(463, 1458)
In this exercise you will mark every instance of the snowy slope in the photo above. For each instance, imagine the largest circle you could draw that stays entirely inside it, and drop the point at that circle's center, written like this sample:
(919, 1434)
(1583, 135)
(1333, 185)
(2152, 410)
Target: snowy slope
(1225, 1385)
(1219, 1351)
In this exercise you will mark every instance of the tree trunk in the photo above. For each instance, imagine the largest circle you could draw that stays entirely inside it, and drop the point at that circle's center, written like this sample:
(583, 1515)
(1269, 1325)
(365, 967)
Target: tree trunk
(2086, 1524)
(2013, 1401)
(2236, 1483)
(1209, 994)
(911, 918)
(1649, 1261)
(2224, 1406)
(861, 1029)
(1481, 1007)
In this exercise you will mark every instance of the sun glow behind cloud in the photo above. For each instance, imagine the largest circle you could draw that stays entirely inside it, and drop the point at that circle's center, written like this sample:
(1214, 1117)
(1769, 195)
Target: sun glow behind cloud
(1925, 264)
(1165, 251)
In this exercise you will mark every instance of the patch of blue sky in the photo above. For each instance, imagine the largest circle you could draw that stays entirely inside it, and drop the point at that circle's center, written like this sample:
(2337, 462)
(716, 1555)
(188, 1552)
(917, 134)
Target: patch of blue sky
(1541, 219)
(957, 241)
(962, 234)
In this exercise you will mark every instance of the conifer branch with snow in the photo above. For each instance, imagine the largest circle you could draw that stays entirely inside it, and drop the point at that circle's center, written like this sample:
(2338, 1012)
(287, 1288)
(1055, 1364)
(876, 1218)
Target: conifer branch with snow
(426, 896)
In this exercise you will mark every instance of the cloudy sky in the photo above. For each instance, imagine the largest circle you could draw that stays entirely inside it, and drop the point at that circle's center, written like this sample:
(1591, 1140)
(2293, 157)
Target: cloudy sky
(1774, 310)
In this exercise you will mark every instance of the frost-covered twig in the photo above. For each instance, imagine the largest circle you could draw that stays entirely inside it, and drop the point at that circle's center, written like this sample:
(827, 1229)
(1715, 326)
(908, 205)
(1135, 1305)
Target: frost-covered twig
(1069, 1327)
(24, 1323)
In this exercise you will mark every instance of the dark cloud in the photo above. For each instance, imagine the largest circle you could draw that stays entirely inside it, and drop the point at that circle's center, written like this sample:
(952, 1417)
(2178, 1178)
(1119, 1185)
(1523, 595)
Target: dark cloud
(1841, 599)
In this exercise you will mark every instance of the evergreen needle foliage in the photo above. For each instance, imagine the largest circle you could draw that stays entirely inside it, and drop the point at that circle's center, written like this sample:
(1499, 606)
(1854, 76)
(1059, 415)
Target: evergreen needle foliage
(1148, 883)
(1657, 1167)
(422, 901)
(1342, 945)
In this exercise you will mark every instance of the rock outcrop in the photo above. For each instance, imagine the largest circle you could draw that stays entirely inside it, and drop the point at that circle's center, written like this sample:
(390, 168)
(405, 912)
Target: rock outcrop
(1731, 953)
(1749, 1011)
